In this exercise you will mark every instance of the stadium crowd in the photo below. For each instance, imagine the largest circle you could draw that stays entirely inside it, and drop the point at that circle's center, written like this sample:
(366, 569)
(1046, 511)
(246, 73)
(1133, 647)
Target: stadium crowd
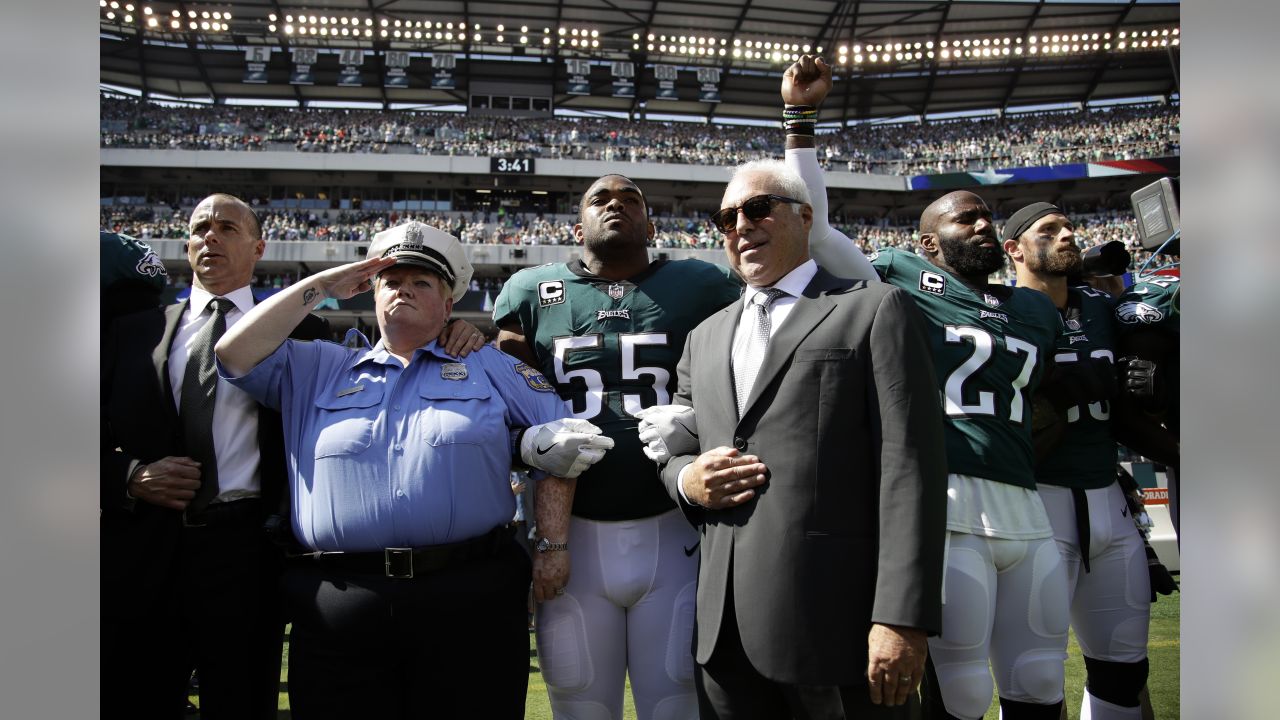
(399, 588)
(965, 144)
(1094, 227)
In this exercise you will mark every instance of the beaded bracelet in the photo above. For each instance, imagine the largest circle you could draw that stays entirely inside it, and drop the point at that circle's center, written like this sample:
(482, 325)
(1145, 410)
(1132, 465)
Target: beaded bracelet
(799, 120)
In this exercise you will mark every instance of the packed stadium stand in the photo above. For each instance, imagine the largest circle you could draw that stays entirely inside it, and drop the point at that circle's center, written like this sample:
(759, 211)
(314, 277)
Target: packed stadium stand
(492, 134)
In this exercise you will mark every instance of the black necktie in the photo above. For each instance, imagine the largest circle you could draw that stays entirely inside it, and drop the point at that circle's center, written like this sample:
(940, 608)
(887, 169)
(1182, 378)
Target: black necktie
(199, 385)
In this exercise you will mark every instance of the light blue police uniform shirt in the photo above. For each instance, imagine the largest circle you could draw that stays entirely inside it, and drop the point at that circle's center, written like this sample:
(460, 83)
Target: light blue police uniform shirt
(382, 455)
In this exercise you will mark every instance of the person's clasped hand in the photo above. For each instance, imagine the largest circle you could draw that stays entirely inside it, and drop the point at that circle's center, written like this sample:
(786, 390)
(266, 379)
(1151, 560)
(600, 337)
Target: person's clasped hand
(564, 448)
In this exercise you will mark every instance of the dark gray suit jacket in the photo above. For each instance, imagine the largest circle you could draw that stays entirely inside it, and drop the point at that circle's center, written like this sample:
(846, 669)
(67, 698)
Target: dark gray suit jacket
(139, 422)
(849, 528)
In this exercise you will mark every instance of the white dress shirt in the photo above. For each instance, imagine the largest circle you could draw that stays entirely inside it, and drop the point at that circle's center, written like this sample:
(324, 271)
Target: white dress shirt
(235, 414)
(793, 283)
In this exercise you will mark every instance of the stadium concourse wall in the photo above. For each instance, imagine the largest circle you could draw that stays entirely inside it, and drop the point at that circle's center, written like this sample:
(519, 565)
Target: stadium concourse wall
(319, 255)
(450, 165)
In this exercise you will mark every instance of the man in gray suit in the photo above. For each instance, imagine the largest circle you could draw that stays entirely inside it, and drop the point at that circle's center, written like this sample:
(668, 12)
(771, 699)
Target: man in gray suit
(820, 489)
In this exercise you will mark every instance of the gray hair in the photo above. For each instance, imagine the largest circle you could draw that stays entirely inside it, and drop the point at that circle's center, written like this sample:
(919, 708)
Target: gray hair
(790, 182)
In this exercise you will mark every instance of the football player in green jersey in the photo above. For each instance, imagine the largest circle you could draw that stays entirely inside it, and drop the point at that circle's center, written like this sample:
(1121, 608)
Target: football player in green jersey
(1149, 320)
(1102, 548)
(616, 569)
(1005, 585)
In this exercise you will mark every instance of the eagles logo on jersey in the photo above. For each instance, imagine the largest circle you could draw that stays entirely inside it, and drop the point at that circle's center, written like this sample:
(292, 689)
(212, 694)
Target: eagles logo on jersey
(150, 264)
(1152, 301)
(1134, 312)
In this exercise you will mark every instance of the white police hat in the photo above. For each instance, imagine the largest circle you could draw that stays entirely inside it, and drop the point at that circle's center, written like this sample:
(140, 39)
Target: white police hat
(414, 243)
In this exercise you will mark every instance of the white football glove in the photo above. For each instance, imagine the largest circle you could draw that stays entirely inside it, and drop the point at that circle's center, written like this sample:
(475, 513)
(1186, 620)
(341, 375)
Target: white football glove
(564, 448)
(668, 430)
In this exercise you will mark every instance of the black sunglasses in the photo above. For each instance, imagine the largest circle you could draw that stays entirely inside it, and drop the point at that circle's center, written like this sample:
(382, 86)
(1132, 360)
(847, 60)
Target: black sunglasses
(755, 208)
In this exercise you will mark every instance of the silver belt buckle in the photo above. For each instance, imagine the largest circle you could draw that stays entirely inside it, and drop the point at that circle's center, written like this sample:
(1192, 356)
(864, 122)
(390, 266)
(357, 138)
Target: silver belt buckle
(399, 562)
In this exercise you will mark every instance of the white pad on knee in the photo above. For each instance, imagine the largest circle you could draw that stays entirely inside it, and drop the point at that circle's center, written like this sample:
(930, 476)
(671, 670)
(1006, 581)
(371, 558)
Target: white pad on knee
(966, 688)
(1036, 677)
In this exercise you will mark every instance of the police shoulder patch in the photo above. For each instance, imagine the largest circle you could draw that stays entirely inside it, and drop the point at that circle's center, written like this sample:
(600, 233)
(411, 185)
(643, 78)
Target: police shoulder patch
(531, 375)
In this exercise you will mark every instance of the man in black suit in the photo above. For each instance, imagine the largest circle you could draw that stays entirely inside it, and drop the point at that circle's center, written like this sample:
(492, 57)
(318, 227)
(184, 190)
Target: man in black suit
(189, 576)
(821, 484)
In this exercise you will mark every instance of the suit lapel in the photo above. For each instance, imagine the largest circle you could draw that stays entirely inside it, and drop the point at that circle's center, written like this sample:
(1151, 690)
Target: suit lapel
(720, 342)
(160, 356)
(809, 310)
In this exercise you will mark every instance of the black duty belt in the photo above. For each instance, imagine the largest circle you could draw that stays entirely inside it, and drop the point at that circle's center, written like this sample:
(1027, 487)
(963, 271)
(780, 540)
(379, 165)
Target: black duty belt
(406, 562)
(248, 512)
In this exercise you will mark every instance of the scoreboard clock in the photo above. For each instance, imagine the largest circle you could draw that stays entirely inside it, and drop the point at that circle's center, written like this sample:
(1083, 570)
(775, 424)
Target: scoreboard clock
(511, 166)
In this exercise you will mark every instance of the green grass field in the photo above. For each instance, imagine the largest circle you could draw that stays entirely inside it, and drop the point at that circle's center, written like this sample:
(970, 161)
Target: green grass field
(1163, 682)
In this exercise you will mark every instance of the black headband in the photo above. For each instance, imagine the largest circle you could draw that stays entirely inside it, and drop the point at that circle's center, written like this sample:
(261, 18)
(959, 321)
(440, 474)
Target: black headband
(1026, 217)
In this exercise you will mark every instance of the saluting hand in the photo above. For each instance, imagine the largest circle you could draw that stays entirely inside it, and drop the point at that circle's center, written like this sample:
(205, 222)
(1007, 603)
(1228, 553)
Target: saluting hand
(807, 81)
(349, 280)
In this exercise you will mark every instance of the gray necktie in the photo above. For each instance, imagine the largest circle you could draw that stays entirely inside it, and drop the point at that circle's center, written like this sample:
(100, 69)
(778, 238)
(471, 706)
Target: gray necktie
(199, 385)
(747, 363)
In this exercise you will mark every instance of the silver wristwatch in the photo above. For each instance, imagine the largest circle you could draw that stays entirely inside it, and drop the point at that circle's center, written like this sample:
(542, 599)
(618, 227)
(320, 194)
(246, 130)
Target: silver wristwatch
(545, 545)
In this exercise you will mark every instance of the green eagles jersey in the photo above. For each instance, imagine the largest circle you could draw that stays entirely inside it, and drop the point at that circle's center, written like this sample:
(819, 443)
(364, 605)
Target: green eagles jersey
(989, 352)
(611, 348)
(1086, 458)
(1152, 301)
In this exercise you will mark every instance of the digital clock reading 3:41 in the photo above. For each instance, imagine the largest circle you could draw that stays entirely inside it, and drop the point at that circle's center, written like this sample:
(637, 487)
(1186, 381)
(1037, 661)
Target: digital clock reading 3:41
(511, 165)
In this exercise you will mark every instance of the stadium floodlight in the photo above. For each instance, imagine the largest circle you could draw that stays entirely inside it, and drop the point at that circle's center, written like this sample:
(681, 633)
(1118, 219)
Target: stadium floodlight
(175, 24)
(595, 33)
(194, 25)
(111, 15)
(857, 59)
(501, 28)
(216, 14)
(547, 41)
(128, 18)
(524, 39)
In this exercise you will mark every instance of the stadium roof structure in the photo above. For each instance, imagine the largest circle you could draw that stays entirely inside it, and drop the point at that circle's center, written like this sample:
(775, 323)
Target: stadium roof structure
(893, 58)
